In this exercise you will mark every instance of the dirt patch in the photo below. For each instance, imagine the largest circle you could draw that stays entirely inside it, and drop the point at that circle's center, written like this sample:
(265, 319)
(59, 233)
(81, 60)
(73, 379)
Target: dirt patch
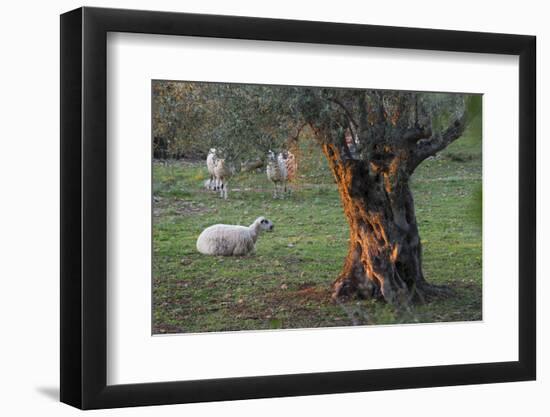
(306, 294)
(306, 285)
(312, 294)
(169, 206)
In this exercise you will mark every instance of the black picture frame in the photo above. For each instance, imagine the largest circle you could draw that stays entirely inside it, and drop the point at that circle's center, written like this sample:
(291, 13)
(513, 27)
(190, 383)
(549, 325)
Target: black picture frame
(84, 207)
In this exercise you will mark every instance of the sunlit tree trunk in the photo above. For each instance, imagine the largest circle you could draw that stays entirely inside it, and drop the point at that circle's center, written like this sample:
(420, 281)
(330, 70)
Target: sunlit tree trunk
(384, 256)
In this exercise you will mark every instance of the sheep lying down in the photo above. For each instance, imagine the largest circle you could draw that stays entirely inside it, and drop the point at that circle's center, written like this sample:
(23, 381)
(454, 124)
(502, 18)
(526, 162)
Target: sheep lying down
(232, 240)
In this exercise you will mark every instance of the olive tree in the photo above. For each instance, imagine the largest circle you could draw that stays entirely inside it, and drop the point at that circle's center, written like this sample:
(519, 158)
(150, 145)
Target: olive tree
(394, 132)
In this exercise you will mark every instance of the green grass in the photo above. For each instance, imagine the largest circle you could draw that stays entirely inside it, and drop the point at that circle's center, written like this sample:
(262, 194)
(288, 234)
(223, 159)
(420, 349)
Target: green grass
(286, 284)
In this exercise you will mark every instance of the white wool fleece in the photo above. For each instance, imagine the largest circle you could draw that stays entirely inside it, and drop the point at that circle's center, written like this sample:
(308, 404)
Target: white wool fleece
(231, 240)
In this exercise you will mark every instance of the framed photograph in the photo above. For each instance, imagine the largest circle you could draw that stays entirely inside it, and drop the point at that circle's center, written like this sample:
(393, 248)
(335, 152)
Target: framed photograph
(258, 208)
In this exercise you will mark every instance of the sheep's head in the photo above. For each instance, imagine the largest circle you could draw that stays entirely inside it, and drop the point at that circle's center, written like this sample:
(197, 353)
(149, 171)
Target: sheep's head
(270, 156)
(264, 224)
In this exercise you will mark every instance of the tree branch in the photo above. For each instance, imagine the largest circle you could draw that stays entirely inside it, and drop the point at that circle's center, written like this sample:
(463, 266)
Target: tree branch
(295, 136)
(426, 148)
(414, 134)
(348, 113)
(344, 144)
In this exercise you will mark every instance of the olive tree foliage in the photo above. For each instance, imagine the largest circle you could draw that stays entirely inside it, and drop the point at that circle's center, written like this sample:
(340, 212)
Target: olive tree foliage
(179, 114)
(245, 121)
(375, 117)
(241, 122)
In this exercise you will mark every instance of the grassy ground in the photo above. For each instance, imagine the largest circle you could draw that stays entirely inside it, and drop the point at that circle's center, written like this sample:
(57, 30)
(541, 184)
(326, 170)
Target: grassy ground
(286, 284)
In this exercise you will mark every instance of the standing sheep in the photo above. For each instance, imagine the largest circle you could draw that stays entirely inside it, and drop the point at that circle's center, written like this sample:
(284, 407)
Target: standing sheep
(210, 164)
(222, 172)
(281, 169)
(232, 240)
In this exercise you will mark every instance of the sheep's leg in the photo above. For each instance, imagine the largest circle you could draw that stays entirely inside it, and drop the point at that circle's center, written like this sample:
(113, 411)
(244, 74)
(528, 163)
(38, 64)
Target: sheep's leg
(223, 188)
(244, 248)
(249, 248)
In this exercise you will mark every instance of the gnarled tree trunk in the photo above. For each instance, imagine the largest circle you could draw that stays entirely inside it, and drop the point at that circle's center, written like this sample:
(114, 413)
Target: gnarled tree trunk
(384, 258)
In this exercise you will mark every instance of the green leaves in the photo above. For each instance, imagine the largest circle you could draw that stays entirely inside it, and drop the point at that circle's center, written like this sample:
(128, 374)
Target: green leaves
(473, 103)
(241, 121)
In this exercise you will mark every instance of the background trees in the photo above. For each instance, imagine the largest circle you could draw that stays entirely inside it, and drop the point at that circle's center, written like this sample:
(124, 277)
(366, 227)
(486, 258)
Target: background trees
(242, 122)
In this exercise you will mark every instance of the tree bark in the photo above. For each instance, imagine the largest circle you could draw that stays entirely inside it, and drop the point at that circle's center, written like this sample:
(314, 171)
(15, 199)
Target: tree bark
(384, 257)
